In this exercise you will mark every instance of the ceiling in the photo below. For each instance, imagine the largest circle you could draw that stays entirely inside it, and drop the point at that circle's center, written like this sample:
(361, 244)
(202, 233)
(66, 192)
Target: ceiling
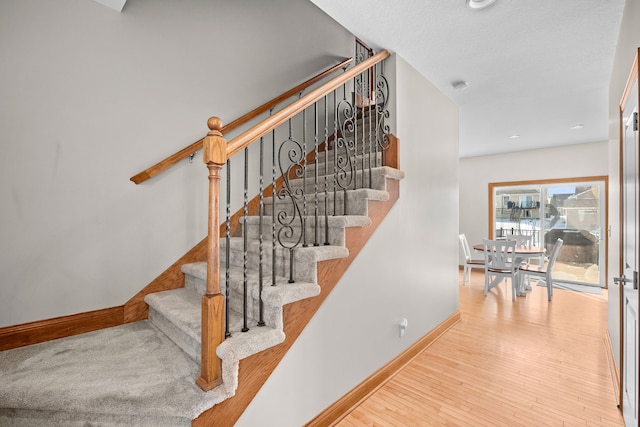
(533, 68)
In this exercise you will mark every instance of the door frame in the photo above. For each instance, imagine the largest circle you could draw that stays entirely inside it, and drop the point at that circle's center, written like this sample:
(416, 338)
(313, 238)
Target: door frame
(605, 198)
(634, 77)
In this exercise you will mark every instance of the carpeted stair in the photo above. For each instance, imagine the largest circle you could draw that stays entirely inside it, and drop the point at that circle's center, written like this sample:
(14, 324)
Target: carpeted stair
(143, 373)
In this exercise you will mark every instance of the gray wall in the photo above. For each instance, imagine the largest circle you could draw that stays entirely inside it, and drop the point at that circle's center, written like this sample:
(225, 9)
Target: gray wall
(90, 97)
(628, 43)
(551, 163)
(408, 269)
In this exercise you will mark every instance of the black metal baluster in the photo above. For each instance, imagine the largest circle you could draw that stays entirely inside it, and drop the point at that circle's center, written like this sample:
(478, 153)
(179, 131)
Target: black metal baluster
(227, 251)
(304, 179)
(370, 73)
(356, 87)
(363, 88)
(274, 197)
(326, 171)
(315, 175)
(245, 328)
(375, 102)
(335, 152)
(290, 160)
(383, 93)
(261, 236)
(345, 114)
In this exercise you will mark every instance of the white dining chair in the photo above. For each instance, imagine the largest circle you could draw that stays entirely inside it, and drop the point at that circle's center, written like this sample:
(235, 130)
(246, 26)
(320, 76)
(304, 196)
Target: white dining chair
(469, 262)
(526, 240)
(541, 271)
(500, 265)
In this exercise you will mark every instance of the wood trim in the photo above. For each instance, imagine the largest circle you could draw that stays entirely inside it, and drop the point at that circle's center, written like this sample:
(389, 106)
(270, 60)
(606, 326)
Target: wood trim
(605, 178)
(341, 408)
(256, 369)
(132, 311)
(615, 377)
(59, 327)
(392, 158)
(185, 152)
(634, 76)
(631, 79)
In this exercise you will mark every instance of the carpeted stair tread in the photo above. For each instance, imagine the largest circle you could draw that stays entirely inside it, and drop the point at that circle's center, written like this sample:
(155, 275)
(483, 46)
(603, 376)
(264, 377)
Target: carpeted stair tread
(181, 306)
(181, 309)
(281, 294)
(378, 174)
(360, 193)
(131, 375)
(309, 254)
(340, 221)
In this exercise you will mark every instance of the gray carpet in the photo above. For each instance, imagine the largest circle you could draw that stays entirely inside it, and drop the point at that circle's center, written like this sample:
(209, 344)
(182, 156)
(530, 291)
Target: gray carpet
(133, 370)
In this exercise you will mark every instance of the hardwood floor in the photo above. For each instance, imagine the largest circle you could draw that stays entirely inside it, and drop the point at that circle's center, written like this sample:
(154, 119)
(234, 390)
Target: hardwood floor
(525, 363)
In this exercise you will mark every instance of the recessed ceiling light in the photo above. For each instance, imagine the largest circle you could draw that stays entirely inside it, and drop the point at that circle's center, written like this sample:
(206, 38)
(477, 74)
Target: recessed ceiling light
(479, 4)
(577, 126)
(514, 136)
(459, 85)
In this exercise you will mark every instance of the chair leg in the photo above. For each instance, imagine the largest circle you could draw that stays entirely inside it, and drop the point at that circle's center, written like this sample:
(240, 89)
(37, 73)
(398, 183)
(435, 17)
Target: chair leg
(486, 283)
(549, 288)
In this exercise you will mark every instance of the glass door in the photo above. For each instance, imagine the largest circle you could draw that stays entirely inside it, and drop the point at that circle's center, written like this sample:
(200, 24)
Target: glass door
(573, 211)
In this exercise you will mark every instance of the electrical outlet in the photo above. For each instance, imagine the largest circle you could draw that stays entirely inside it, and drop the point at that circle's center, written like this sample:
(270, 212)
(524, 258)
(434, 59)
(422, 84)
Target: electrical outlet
(403, 327)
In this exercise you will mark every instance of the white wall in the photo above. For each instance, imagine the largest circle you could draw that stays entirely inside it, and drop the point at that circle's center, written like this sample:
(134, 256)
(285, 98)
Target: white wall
(408, 269)
(476, 173)
(90, 97)
(628, 43)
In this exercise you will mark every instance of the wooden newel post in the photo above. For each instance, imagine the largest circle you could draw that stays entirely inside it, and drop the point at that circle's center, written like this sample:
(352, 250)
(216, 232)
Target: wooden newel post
(214, 156)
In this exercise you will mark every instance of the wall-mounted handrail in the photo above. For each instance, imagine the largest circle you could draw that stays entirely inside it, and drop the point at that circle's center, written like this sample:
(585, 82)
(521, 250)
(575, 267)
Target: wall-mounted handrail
(187, 151)
(244, 139)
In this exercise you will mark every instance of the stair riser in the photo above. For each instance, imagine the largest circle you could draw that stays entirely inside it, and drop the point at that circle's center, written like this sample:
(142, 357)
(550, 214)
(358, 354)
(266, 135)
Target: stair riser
(354, 153)
(356, 158)
(354, 206)
(303, 271)
(190, 346)
(376, 182)
(271, 315)
(336, 236)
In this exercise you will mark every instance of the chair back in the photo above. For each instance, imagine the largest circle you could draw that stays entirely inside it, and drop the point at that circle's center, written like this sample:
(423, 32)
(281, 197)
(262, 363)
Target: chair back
(465, 247)
(554, 254)
(521, 239)
(498, 254)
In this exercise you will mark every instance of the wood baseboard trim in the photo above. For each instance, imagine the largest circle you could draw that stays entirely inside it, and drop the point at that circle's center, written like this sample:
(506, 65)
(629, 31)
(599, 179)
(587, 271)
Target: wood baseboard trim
(59, 327)
(615, 377)
(345, 405)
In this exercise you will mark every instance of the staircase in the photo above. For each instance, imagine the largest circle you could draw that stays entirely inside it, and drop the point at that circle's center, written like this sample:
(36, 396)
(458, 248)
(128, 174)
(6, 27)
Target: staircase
(175, 316)
(177, 312)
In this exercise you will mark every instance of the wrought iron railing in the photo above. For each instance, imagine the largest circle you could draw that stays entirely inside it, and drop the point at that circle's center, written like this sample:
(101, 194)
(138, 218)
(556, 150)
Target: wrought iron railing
(301, 162)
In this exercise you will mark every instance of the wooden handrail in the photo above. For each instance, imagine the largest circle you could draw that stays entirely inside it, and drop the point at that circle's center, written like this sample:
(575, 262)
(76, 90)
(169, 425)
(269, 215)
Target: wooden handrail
(216, 152)
(246, 138)
(185, 152)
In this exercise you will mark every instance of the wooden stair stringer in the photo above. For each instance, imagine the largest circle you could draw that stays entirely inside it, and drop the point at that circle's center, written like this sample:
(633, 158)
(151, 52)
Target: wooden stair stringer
(256, 369)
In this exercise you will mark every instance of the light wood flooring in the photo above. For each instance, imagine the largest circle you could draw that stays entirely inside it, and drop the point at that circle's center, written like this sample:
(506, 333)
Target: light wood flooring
(523, 363)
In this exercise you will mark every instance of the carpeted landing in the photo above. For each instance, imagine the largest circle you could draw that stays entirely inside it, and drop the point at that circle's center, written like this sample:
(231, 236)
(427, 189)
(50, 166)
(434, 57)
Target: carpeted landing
(132, 370)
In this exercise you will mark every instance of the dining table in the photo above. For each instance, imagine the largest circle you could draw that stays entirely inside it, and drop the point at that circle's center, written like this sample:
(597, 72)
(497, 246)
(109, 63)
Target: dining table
(521, 253)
